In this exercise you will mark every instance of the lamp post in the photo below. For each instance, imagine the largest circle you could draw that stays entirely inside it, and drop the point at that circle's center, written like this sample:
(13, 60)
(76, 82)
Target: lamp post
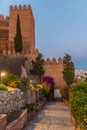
(2, 75)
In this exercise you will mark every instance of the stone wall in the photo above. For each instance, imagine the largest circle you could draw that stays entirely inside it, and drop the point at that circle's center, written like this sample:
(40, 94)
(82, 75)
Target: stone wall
(4, 28)
(4, 32)
(54, 69)
(15, 99)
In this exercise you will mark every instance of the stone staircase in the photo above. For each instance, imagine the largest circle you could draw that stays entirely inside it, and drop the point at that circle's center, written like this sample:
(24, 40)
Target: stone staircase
(54, 116)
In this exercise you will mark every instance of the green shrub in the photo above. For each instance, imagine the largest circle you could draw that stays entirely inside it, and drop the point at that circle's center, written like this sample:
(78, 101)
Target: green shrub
(13, 116)
(78, 103)
(25, 81)
(12, 80)
(65, 93)
(23, 84)
(22, 87)
(15, 83)
(3, 87)
(31, 107)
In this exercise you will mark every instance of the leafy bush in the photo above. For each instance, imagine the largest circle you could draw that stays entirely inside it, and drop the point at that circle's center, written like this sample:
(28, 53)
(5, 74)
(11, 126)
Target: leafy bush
(15, 83)
(48, 86)
(64, 92)
(49, 81)
(34, 86)
(25, 81)
(31, 107)
(23, 85)
(3, 87)
(12, 80)
(13, 116)
(46, 89)
(78, 103)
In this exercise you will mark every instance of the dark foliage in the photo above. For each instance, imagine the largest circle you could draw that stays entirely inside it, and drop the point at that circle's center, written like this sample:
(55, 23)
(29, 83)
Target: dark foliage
(37, 67)
(68, 72)
(18, 37)
(11, 80)
(13, 116)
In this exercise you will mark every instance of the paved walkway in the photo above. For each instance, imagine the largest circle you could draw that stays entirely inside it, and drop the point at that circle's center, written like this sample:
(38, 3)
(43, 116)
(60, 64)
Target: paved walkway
(54, 116)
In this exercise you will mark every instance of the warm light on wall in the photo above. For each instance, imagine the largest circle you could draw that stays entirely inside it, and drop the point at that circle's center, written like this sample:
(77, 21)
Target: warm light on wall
(2, 75)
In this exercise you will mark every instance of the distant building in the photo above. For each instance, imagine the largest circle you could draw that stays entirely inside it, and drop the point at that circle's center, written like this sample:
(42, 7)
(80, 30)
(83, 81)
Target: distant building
(81, 74)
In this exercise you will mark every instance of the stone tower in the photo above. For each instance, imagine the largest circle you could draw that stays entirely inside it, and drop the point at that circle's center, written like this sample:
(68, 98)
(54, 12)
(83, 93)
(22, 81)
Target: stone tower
(4, 32)
(27, 27)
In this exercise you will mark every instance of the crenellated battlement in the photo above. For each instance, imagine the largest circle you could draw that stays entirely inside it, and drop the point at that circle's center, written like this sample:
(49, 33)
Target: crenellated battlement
(2, 18)
(53, 61)
(54, 68)
(20, 7)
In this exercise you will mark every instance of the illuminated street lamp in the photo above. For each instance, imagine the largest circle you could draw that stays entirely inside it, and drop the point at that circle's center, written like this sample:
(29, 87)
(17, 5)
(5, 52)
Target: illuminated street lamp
(2, 75)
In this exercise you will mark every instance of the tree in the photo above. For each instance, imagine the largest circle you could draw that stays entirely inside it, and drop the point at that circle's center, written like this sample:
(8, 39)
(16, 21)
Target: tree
(18, 37)
(37, 67)
(68, 71)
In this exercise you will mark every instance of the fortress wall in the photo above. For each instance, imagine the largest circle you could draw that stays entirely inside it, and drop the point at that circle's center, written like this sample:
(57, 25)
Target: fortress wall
(27, 26)
(4, 28)
(54, 69)
(2, 18)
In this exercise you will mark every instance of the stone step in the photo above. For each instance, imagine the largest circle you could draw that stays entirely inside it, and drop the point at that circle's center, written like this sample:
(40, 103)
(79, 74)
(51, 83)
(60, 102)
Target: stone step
(57, 99)
(52, 120)
(56, 107)
(53, 116)
(48, 127)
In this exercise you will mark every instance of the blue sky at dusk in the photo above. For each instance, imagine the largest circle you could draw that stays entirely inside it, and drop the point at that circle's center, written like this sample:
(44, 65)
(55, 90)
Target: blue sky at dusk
(60, 27)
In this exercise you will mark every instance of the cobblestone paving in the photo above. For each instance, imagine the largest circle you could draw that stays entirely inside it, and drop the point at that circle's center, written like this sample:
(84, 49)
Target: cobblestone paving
(54, 116)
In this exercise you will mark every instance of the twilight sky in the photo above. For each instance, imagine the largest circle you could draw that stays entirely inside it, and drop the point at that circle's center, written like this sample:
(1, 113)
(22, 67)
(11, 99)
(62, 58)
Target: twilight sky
(60, 27)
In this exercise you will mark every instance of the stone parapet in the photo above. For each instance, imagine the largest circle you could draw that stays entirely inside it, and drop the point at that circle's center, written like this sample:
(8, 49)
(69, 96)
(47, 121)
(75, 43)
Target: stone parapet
(53, 61)
(18, 8)
(2, 18)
